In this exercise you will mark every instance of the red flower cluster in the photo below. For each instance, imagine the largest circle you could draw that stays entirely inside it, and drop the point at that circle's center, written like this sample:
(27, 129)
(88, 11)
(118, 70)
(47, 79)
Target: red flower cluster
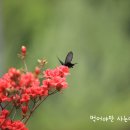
(56, 78)
(7, 124)
(25, 91)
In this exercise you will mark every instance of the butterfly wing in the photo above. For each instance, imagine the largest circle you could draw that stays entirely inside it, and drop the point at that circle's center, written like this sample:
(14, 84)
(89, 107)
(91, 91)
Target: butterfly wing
(69, 57)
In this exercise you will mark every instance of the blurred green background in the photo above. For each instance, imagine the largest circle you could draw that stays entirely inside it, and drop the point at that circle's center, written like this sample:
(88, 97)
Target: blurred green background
(98, 33)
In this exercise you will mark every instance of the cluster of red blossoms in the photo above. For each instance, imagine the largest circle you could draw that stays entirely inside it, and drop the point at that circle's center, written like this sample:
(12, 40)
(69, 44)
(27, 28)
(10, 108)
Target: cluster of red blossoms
(21, 92)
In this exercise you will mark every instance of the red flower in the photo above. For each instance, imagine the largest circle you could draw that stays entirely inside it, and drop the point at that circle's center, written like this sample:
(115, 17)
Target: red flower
(59, 83)
(56, 78)
(60, 71)
(63, 70)
(13, 125)
(18, 125)
(28, 80)
(4, 98)
(4, 113)
(25, 98)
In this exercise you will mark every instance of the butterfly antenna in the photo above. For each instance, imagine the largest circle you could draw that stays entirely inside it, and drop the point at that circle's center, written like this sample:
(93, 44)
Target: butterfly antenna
(60, 61)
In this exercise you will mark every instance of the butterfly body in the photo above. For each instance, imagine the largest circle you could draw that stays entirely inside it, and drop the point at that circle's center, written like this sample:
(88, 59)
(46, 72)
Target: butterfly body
(68, 60)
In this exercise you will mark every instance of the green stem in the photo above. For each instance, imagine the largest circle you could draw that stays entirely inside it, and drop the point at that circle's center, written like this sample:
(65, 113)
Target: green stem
(25, 66)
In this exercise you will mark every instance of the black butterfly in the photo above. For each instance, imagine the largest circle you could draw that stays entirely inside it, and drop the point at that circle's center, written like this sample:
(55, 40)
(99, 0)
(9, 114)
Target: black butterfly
(68, 60)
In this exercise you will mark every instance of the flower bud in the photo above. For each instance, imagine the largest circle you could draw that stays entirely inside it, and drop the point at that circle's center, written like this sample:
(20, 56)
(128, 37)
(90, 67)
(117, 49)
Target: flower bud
(37, 70)
(23, 50)
(24, 109)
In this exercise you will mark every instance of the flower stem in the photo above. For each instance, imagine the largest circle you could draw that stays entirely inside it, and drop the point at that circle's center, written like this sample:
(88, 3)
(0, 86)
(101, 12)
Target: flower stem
(25, 66)
(1, 106)
(14, 114)
(37, 105)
